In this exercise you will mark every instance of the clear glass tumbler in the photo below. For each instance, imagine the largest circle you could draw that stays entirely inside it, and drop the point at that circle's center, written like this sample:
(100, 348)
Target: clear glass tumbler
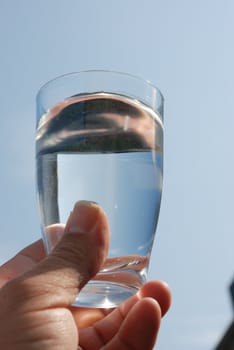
(99, 137)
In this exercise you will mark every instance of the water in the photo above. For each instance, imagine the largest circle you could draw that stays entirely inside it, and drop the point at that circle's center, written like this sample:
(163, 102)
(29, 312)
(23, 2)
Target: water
(108, 149)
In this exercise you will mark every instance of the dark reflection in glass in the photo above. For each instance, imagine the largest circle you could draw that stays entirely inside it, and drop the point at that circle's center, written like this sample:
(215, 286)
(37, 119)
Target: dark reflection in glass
(94, 125)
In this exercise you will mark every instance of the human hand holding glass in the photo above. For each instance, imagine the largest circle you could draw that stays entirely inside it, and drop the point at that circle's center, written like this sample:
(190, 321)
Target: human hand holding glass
(99, 138)
(35, 308)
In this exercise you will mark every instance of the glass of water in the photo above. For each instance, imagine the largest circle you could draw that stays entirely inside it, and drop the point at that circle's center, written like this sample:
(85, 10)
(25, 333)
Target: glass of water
(99, 137)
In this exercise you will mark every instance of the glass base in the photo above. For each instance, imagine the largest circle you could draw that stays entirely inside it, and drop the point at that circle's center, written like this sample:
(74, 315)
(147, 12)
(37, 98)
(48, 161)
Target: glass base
(103, 294)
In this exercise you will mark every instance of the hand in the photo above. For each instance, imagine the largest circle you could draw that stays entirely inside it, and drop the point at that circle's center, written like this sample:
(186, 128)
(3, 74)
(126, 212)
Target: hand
(37, 292)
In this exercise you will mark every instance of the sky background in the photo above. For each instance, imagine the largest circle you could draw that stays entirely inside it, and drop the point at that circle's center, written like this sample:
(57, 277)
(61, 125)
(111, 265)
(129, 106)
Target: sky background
(185, 47)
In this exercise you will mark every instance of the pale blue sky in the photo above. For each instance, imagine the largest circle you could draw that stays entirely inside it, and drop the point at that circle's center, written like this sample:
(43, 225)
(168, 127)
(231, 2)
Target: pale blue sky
(186, 48)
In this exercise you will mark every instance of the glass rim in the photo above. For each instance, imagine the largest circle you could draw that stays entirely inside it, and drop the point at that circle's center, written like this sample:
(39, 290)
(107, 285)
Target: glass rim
(132, 76)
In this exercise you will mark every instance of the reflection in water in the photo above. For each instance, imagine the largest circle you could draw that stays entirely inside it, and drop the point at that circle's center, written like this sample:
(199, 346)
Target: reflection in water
(99, 124)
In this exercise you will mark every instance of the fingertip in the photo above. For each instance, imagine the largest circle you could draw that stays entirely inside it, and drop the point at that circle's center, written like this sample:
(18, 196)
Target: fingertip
(160, 291)
(90, 218)
(151, 306)
(142, 334)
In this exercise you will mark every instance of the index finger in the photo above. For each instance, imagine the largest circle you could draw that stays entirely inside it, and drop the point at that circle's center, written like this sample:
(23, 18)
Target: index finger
(22, 262)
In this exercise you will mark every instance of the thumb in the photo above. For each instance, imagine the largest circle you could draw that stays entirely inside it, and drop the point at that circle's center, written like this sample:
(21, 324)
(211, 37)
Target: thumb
(56, 281)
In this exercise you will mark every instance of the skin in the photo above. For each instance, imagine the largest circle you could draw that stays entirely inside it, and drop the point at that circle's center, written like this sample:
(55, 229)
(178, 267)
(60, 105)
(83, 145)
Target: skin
(37, 291)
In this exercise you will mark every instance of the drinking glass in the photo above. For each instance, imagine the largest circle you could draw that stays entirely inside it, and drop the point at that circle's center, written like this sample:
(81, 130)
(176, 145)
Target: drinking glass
(99, 137)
